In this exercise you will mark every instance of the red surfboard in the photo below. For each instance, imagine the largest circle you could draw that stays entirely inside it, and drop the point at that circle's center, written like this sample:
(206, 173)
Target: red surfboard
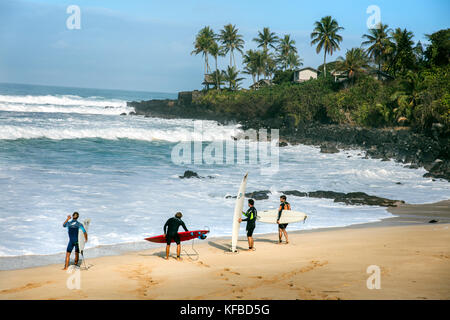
(184, 236)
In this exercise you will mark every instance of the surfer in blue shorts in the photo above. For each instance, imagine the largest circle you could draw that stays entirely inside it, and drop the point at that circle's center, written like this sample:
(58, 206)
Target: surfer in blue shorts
(284, 205)
(171, 233)
(251, 222)
(73, 227)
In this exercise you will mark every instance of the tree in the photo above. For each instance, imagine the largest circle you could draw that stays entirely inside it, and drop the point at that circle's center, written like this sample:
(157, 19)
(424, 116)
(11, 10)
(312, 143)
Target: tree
(231, 76)
(438, 52)
(286, 46)
(231, 41)
(356, 62)
(203, 43)
(266, 39)
(401, 52)
(215, 50)
(326, 37)
(379, 42)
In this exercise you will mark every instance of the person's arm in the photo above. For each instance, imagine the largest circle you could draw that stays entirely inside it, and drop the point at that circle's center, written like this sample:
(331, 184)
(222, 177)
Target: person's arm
(184, 226)
(67, 220)
(84, 231)
(279, 213)
(165, 227)
(247, 215)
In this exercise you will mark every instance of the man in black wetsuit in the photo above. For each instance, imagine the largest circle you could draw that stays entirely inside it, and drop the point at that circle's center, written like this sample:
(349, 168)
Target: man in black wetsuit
(284, 205)
(171, 233)
(251, 222)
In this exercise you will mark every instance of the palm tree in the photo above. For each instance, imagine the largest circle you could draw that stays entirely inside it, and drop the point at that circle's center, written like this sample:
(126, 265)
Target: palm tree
(202, 44)
(286, 46)
(326, 36)
(266, 39)
(294, 61)
(379, 42)
(255, 62)
(401, 51)
(231, 76)
(355, 63)
(215, 50)
(249, 60)
(231, 41)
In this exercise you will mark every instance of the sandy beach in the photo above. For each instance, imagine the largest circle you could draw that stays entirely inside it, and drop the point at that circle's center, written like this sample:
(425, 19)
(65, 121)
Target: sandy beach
(413, 257)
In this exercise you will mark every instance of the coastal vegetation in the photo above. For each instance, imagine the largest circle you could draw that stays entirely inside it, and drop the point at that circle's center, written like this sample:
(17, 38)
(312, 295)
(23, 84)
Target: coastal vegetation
(389, 81)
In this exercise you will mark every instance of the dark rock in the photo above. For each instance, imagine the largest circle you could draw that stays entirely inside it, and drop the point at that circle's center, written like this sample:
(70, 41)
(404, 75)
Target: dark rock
(325, 194)
(189, 174)
(294, 193)
(123, 114)
(362, 198)
(328, 149)
(283, 144)
(132, 113)
(398, 183)
(258, 195)
(433, 221)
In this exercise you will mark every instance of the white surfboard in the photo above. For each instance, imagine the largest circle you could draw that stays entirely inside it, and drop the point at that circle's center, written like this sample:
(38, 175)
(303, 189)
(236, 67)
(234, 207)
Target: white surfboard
(81, 240)
(238, 212)
(287, 216)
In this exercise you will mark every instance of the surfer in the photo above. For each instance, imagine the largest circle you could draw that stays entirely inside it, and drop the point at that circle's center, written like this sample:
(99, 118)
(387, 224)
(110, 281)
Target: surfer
(284, 205)
(251, 222)
(73, 227)
(171, 233)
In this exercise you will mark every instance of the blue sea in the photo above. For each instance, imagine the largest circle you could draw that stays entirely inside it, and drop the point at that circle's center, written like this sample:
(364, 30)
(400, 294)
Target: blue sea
(70, 149)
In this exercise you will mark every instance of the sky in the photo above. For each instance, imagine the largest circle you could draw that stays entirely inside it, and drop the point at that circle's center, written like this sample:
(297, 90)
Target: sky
(146, 45)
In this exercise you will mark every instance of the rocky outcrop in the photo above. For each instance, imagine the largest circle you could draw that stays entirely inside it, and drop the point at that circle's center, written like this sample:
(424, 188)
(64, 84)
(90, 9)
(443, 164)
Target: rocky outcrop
(351, 198)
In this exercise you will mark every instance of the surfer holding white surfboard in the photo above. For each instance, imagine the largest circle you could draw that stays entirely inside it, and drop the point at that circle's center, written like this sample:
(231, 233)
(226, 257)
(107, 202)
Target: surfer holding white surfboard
(251, 215)
(73, 227)
(284, 205)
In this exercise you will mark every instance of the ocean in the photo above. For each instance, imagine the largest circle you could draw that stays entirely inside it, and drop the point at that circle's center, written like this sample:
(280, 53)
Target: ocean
(70, 149)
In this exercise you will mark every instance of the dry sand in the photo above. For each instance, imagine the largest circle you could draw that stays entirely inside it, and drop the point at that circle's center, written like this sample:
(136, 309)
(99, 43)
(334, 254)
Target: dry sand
(413, 257)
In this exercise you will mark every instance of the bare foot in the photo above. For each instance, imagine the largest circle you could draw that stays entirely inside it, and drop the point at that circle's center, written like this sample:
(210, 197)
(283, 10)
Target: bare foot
(178, 259)
(166, 258)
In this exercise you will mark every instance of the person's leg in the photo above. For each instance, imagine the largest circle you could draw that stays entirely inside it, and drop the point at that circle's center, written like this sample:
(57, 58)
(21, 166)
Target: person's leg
(66, 263)
(77, 255)
(280, 234)
(286, 235)
(251, 242)
(167, 251)
(178, 251)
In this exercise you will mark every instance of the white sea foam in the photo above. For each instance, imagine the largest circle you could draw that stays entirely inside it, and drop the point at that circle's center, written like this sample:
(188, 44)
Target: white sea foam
(63, 104)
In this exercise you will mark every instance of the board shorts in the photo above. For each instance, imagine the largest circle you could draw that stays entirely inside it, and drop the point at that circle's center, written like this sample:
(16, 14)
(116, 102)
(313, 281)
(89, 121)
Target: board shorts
(71, 245)
(250, 230)
(283, 225)
(175, 237)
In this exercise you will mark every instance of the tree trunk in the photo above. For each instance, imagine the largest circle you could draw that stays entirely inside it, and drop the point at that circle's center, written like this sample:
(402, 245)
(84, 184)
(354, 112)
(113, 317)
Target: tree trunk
(325, 64)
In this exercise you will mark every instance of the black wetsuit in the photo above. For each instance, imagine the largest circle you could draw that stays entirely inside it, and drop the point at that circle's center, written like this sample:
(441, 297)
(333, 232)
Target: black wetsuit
(251, 220)
(284, 206)
(171, 230)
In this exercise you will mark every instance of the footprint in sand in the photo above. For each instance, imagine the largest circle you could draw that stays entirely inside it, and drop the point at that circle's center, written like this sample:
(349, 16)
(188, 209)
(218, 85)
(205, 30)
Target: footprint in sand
(28, 286)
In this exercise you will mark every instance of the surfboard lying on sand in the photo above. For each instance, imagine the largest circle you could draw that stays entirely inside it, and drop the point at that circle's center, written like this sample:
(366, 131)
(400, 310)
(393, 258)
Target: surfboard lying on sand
(81, 240)
(238, 212)
(184, 236)
(287, 216)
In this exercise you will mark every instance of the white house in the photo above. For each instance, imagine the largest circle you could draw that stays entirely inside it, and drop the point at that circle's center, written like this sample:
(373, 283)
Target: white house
(305, 74)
